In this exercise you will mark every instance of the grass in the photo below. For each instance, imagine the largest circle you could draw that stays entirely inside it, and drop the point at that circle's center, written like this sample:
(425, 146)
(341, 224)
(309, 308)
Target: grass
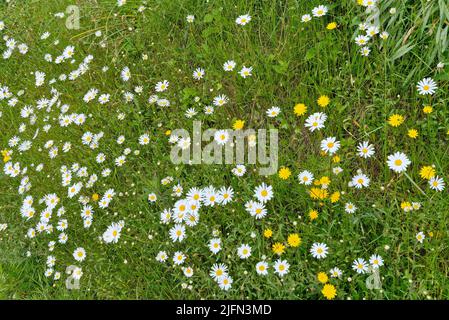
(293, 62)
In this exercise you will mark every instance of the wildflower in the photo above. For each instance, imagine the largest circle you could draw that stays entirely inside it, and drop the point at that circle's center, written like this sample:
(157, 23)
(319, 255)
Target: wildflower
(329, 291)
(412, 133)
(331, 26)
(300, 109)
(243, 19)
(294, 240)
(395, 120)
(427, 86)
(322, 277)
(278, 248)
(427, 172)
(284, 173)
(238, 124)
(267, 233)
(398, 162)
(323, 101)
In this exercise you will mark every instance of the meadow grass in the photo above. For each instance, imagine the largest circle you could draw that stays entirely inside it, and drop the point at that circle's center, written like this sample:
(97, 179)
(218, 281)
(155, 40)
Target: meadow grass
(293, 62)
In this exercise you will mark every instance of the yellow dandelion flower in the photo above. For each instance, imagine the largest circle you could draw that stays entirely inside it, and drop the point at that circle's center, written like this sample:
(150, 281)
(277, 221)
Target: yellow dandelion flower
(412, 133)
(284, 173)
(427, 109)
(95, 197)
(6, 155)
(278, 248)
(168, 132)
(313, 214)
(329, 291)
(395, 120)
(323, 101)
(322, 277)
(336, 159)
(300, 109)
(238, 124)
(294, 240)
(317, 193)
(267, 233)
(427, 172)
(335, 197)
(331, 26)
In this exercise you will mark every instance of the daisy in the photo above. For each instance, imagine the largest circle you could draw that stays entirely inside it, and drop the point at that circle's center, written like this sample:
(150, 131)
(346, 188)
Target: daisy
(244, 251)
(161, 256)
(220, 100)
(225, 282)
(330, 145)
(215, 245)
(436, 183)
(177, 233)
(273, 112)
(190, 18)
(112, 233)
(315, 121)
(281, 267)
(225, 195)
(125, 74)
(365, 51)
(79, 254)
(229, 65)
(360, 266)
(246, 72)
(243, 19)
(361, 180)
(218, 270)
(263, 193)
(161, 86)
(361, 40)
(306, 18)
(144, 139)
(179, 258)
(350, 208)
(376, 261)
(319, 11)
(426, 86)
(188, 272)
(335, 272)
(262, 268)
(198, 73)
(420, 237)
(305, 177)
(221, 137)
(319, 250)
(239, 170)
(365, 149)
(398, 162)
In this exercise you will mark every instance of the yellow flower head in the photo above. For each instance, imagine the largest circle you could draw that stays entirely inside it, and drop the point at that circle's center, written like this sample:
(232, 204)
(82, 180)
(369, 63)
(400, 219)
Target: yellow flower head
(323, 101)
(329, 291)
(238, 124)
(331, 26)
(278, 248)
(95, 197)
(313, 214)
(412, 133)
(335, 196)
(267, 233)
(322, 277)
(300, 109)
(325, 181)
(336, 159)
(395, 120)
(168, 132)
(427, 172)
(284, 173)
(318, 193)
(427, 109)
(6, 155)
(294, 240)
